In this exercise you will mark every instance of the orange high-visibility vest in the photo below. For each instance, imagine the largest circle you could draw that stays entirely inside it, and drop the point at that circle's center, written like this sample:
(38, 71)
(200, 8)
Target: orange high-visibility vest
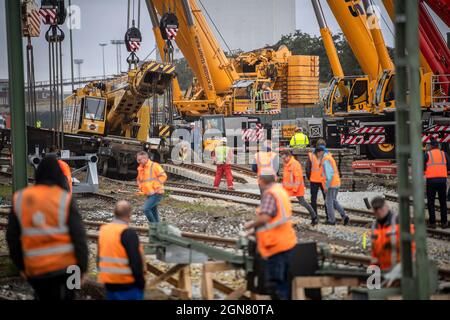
(66, 172)
(151, 178)
(336, 180)
(113, 264)
(316, 173)
(293, 178)
(386, 243)
(264, 161)
(436, 166)
(42, 212)
(277, 235)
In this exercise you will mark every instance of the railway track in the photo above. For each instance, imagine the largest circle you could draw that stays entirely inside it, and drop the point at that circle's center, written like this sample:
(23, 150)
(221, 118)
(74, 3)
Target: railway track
(208, 171)
(361, 218)
(338, 258)
(243, 170)
(394, 198)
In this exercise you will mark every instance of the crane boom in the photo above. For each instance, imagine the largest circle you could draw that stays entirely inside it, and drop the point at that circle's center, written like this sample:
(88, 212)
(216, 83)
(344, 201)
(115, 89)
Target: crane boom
(389, 5)
(200, 48)
(328, 42)
(377, 35)
(352, 20)
(441, 8)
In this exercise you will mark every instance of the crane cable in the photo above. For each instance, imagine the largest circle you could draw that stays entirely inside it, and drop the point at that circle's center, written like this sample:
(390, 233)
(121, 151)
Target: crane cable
(31, 82)
(215, 27)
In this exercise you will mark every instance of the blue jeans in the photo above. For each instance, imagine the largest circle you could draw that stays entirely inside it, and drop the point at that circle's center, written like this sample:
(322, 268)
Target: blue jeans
(151, 207)
(332, 203)
(131, 294)
(277, 273)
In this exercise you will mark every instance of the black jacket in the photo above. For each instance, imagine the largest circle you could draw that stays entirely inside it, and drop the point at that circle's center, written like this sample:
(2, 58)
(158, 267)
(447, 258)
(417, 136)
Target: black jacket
(77, 235)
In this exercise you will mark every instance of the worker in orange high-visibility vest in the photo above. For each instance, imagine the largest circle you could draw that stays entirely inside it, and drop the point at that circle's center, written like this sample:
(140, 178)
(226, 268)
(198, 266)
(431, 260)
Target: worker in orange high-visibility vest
(265, 158)
(386, 236)
(150, 180)
(45, 234)
(275, 235)
(314, 175)
(121, 257)
(331, 184)
(293, 182)
(436, 165)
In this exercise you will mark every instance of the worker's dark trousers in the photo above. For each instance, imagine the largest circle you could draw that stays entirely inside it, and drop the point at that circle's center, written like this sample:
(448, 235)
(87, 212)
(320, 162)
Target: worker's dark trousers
(51, 288)
(439, 186)
(277, 275)
(315, 187)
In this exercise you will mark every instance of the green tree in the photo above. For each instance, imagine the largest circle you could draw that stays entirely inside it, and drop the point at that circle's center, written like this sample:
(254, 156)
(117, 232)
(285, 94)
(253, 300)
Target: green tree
(184, 73)
(305, 44)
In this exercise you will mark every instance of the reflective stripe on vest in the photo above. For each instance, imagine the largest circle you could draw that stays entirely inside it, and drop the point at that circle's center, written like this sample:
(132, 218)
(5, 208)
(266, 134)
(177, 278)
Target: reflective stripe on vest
(114, 270)
(51, 250)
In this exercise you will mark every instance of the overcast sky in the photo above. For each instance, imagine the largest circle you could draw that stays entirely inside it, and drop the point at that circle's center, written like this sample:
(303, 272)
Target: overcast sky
(105, 20)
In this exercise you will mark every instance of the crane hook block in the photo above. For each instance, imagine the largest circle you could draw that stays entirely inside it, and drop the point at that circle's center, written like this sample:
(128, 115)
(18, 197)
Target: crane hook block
(53, 12)
(169, 26)
(133, 39)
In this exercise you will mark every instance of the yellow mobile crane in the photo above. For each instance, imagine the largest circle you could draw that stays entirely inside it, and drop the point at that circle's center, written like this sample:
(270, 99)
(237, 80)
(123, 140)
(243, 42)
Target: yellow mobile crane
(352, 19)
(222, 86)
(115, 112)
(373, 132)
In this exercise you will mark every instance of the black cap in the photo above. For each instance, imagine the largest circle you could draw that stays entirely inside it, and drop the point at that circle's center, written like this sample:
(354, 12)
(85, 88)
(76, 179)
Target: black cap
(434, 142)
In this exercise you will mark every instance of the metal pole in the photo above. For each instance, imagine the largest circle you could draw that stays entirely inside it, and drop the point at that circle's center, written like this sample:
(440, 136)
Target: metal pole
(412, 47)
(403, 148)
(71, 46)
(103, 45)
(17, 94)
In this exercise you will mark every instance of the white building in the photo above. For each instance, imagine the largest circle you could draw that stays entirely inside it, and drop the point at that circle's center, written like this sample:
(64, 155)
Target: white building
(248, 24)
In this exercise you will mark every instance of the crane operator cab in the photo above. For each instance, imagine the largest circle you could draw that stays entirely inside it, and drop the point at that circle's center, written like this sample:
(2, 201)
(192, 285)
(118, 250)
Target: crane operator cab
(85, 115)
(348, 95)
(255, 96)
(385, 93)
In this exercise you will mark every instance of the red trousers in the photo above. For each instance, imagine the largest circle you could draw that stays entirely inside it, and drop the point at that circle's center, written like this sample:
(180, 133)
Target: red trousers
(221, 170)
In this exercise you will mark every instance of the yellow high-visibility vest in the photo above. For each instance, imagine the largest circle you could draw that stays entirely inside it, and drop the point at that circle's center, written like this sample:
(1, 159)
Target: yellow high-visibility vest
(299, 140)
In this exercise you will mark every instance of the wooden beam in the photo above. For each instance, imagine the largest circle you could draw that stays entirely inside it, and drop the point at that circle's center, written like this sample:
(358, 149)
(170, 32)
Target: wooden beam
(207, 284)
(151, 268)
(185, 283)
(166, 275)
(217, 266)
(236, 294)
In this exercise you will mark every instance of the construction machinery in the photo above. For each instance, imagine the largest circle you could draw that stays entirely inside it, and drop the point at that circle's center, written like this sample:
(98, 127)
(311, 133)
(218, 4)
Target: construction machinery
(116, 113)
(252, 83)
(360, 109)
